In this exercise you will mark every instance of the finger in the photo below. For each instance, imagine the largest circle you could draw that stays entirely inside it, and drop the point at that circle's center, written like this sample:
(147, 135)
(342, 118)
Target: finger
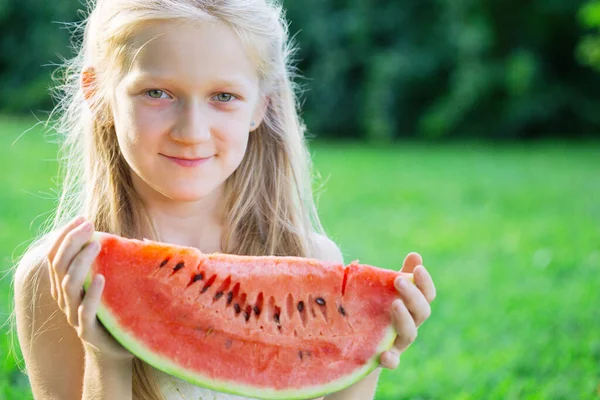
(404, 325)
(70, 246)
(411, 261)
(80, 266)
(424, 282)
(414, 300)
(88, 308)
(72, 283)
(54, 289)
(390, 359)
(61, 236)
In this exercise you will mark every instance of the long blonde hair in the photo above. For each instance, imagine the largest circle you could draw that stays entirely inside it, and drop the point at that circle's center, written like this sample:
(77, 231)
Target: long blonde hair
(269, 199)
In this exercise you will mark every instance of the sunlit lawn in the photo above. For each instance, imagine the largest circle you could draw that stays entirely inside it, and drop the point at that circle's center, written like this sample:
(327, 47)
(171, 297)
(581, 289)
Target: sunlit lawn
(510, 233)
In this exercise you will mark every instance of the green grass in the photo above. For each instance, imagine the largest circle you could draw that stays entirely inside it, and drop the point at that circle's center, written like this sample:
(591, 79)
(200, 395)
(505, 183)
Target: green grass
(511, 235)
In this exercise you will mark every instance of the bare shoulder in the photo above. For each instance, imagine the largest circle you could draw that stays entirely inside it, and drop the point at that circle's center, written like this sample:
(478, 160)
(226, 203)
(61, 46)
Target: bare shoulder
(32, 294)
(326, 249)
(45, 336)
(31, 273)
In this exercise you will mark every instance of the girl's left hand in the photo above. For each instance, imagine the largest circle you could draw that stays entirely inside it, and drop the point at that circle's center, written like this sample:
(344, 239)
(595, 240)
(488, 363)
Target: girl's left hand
(411, 310)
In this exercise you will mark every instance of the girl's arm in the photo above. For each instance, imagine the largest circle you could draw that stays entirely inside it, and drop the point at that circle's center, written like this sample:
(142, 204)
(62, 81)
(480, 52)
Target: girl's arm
(52, 351)
(106, 379)
(57, 365)
(361, 390)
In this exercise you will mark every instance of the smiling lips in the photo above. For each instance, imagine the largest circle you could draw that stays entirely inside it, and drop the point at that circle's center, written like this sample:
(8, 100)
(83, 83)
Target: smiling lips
(188, 162)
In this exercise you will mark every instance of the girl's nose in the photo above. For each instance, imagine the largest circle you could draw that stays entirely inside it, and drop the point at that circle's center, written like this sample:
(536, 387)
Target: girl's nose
(192, 124)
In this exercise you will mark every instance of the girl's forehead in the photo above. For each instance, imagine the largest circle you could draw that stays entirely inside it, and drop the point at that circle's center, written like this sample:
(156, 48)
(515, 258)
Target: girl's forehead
(196, 52)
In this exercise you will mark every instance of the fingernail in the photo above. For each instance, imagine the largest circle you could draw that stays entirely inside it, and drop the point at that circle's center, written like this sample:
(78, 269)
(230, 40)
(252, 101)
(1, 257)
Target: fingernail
(96, 282)
(87, 226)
(398, 306)
(77, 221)
(400, 283)
(393, 359)
(394, 353)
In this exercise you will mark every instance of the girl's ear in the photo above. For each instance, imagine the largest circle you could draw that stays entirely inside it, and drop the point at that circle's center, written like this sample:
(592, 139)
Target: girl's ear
(259, 113)
(88, 84)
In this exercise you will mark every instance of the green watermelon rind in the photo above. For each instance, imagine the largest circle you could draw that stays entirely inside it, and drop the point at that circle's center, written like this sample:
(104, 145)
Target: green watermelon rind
(164, 364)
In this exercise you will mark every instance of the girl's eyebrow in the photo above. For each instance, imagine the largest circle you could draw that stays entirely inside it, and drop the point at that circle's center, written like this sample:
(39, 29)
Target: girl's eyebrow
(238, 83)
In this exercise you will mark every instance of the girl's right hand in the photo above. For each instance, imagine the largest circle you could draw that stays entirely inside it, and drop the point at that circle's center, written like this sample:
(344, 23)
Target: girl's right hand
(69, 262)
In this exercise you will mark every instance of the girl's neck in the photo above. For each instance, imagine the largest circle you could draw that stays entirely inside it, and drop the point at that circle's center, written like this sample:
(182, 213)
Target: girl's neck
(187, 226)
(197, 224)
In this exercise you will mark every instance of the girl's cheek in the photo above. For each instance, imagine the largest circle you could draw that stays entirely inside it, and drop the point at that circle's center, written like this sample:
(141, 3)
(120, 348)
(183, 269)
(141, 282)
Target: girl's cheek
(150, 120)
(234, 121)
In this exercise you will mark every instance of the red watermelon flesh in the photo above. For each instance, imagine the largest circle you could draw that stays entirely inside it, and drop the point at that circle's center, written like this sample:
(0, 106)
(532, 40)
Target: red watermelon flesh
(264, 327)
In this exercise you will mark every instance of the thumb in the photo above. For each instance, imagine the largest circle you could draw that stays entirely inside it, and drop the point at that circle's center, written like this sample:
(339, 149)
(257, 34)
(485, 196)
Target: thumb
(411, 261)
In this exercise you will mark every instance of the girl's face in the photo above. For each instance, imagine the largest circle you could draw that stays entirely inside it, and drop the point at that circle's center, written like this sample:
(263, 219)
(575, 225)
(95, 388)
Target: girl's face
(183, 111)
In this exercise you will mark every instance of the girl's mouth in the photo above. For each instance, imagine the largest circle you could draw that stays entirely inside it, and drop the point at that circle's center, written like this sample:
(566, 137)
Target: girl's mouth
(188, 162)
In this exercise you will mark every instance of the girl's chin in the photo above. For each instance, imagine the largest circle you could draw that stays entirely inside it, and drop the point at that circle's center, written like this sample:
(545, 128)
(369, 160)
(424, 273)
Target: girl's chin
(185, 197)
(187, 194)
(161, 189)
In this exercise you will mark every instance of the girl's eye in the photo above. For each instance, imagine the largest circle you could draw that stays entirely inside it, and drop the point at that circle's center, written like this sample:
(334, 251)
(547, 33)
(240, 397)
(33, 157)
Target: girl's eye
(224, 97)
(161, 94)
(156, 94)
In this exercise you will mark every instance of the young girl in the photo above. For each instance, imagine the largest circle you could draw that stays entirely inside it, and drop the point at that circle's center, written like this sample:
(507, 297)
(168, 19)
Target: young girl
(181, 125)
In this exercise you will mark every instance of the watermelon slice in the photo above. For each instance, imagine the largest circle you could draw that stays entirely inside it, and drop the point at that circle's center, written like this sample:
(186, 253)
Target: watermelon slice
(264, 327)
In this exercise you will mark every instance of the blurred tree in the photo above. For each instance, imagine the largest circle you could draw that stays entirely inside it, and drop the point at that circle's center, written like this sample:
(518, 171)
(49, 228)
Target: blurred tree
(386, 69)
(444, 68)
(589, 46)
(31, 40)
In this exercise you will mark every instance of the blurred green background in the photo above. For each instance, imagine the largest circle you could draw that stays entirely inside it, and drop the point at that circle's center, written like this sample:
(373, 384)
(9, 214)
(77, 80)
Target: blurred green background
(464, 130)
(388, 69)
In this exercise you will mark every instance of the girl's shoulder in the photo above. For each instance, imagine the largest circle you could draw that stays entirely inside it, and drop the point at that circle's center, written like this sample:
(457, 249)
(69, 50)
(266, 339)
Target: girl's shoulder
(44, 333)
(325, 249)
(33, 260)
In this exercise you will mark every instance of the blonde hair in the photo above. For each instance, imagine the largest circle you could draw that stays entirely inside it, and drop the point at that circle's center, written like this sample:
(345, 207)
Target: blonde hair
(269, 200)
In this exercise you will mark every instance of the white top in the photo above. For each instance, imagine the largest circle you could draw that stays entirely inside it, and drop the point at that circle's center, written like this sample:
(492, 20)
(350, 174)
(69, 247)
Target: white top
(174, 388)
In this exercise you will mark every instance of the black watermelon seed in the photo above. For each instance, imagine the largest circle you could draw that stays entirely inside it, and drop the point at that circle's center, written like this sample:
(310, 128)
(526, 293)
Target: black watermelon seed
(300, 354)
(218, 295)
(228, 344)
(179, 266)
(320, 301)
(276, 318)
(165, 261)
(204, 289)
(246, 315)
(256, 310)
(342, 311)
(301, 306)
(229, 297)
(237, 308)
(197, 277)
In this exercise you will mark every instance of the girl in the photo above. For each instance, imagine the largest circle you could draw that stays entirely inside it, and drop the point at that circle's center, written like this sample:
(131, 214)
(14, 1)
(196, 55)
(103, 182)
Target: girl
(180, 125)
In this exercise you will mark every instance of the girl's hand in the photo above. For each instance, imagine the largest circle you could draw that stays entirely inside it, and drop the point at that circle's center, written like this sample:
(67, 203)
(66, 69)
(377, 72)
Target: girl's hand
(411, 310)
(69, 262)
